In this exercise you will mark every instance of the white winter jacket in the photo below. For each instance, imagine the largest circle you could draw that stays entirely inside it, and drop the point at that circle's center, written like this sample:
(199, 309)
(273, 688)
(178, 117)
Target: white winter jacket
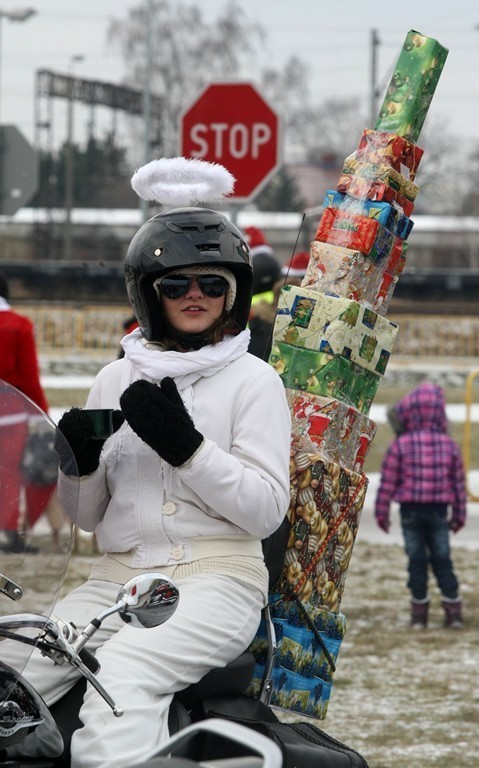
(232, 493)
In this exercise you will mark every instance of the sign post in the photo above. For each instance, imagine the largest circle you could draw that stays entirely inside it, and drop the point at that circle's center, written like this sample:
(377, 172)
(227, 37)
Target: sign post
(18, 170)
(232, 124)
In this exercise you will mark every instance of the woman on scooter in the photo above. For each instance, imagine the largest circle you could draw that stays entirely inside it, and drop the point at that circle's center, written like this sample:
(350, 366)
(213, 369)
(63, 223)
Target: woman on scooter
(188, 485)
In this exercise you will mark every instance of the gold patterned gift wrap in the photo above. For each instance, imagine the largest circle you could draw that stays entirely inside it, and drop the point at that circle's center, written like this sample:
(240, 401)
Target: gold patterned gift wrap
(339, 432)
(325, 510)
(334, 326)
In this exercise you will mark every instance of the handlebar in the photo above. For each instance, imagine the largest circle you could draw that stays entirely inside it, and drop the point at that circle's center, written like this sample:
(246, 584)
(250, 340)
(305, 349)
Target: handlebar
(145, 601)
(57, 641)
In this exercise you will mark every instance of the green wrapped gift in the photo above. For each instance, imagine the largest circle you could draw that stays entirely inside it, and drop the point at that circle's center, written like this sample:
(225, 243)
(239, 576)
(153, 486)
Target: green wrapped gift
(412, 86)
(324, 374)
(334, 325)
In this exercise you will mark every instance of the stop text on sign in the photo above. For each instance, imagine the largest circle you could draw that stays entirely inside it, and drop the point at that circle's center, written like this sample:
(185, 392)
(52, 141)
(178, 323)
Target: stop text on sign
(237, 140)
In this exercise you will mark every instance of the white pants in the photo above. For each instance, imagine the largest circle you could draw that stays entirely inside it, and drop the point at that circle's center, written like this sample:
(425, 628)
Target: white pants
(216, 619)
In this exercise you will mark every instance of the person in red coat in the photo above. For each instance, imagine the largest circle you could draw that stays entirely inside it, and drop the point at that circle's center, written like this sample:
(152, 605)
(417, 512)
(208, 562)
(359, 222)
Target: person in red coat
(18, 367)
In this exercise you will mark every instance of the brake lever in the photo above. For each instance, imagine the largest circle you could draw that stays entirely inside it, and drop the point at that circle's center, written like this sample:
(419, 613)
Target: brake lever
(76, 662)
(65, 637)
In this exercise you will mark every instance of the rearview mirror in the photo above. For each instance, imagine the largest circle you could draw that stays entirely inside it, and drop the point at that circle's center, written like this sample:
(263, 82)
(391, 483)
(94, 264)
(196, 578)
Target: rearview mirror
(148, 600)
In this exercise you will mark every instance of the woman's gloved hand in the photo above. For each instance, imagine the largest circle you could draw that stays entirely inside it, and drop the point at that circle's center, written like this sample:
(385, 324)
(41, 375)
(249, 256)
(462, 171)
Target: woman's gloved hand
(157, 415)
(80, 445)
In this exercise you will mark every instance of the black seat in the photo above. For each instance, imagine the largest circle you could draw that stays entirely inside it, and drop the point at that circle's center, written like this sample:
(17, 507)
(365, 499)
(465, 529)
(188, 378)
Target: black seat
(233, 679)
(274, 549)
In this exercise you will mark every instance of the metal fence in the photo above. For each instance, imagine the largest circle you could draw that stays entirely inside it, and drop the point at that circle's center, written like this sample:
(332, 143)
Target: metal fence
(99, 328)
(437, 336)
(89, 329)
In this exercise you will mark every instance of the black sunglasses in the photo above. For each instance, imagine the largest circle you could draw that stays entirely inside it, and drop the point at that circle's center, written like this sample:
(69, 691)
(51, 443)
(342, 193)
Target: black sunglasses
(175, 286)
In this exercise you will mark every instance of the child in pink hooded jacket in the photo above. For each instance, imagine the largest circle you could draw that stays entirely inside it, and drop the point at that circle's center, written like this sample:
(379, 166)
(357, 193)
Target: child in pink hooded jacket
(423, 471)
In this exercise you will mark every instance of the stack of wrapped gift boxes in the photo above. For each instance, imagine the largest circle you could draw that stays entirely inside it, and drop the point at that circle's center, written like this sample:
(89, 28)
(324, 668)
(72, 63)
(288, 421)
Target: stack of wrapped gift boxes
(331, 347)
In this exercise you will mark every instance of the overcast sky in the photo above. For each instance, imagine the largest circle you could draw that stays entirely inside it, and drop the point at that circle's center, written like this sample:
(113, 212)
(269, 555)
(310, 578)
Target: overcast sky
(332, 36)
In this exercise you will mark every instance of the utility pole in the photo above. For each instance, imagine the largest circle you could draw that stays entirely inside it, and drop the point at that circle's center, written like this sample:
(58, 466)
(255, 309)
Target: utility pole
(147, 97)
(20, 14)
(69, 159)
(375, 42)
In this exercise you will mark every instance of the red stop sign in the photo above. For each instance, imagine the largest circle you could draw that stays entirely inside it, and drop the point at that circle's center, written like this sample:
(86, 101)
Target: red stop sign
(231, 124)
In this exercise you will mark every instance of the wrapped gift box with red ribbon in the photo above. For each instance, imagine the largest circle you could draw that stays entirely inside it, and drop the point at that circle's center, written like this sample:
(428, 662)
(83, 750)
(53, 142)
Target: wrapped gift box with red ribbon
(339, 432)
(324, 514)
(390, 149)
(343, 272)
(356, 232)
(386, 214)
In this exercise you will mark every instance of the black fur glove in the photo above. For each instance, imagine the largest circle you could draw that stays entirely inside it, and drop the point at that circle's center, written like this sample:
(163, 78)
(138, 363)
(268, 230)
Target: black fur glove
(76, 442)
(157, 415)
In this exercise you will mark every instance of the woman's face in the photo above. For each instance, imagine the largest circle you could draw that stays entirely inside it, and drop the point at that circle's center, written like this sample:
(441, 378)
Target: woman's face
(194, 312)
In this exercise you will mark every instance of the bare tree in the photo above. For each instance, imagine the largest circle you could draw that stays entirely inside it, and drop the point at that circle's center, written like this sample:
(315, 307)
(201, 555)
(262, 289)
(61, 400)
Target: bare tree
(468, 182)
(334, 131)
(188, 53)
(439, 177)
(287, 90)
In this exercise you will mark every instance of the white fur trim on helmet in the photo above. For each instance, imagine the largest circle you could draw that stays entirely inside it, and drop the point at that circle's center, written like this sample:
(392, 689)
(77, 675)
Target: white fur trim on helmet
(182, 181)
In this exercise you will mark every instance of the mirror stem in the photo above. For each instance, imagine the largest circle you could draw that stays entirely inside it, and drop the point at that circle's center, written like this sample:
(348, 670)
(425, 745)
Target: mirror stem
(95, 624)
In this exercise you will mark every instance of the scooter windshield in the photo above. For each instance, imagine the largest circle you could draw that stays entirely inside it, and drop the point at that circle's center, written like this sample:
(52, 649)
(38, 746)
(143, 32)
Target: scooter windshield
(36, 527)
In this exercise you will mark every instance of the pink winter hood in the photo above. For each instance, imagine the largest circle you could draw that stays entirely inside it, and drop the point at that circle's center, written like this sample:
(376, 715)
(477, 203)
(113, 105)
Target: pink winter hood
(424, 408)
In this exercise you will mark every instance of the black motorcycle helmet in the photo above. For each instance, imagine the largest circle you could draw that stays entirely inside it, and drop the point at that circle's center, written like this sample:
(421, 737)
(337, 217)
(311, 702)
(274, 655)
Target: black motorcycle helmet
(266, 271)
(184, 237)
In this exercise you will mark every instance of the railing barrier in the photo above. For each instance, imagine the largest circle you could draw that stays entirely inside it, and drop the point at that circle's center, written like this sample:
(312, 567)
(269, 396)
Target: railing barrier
(101, 327)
